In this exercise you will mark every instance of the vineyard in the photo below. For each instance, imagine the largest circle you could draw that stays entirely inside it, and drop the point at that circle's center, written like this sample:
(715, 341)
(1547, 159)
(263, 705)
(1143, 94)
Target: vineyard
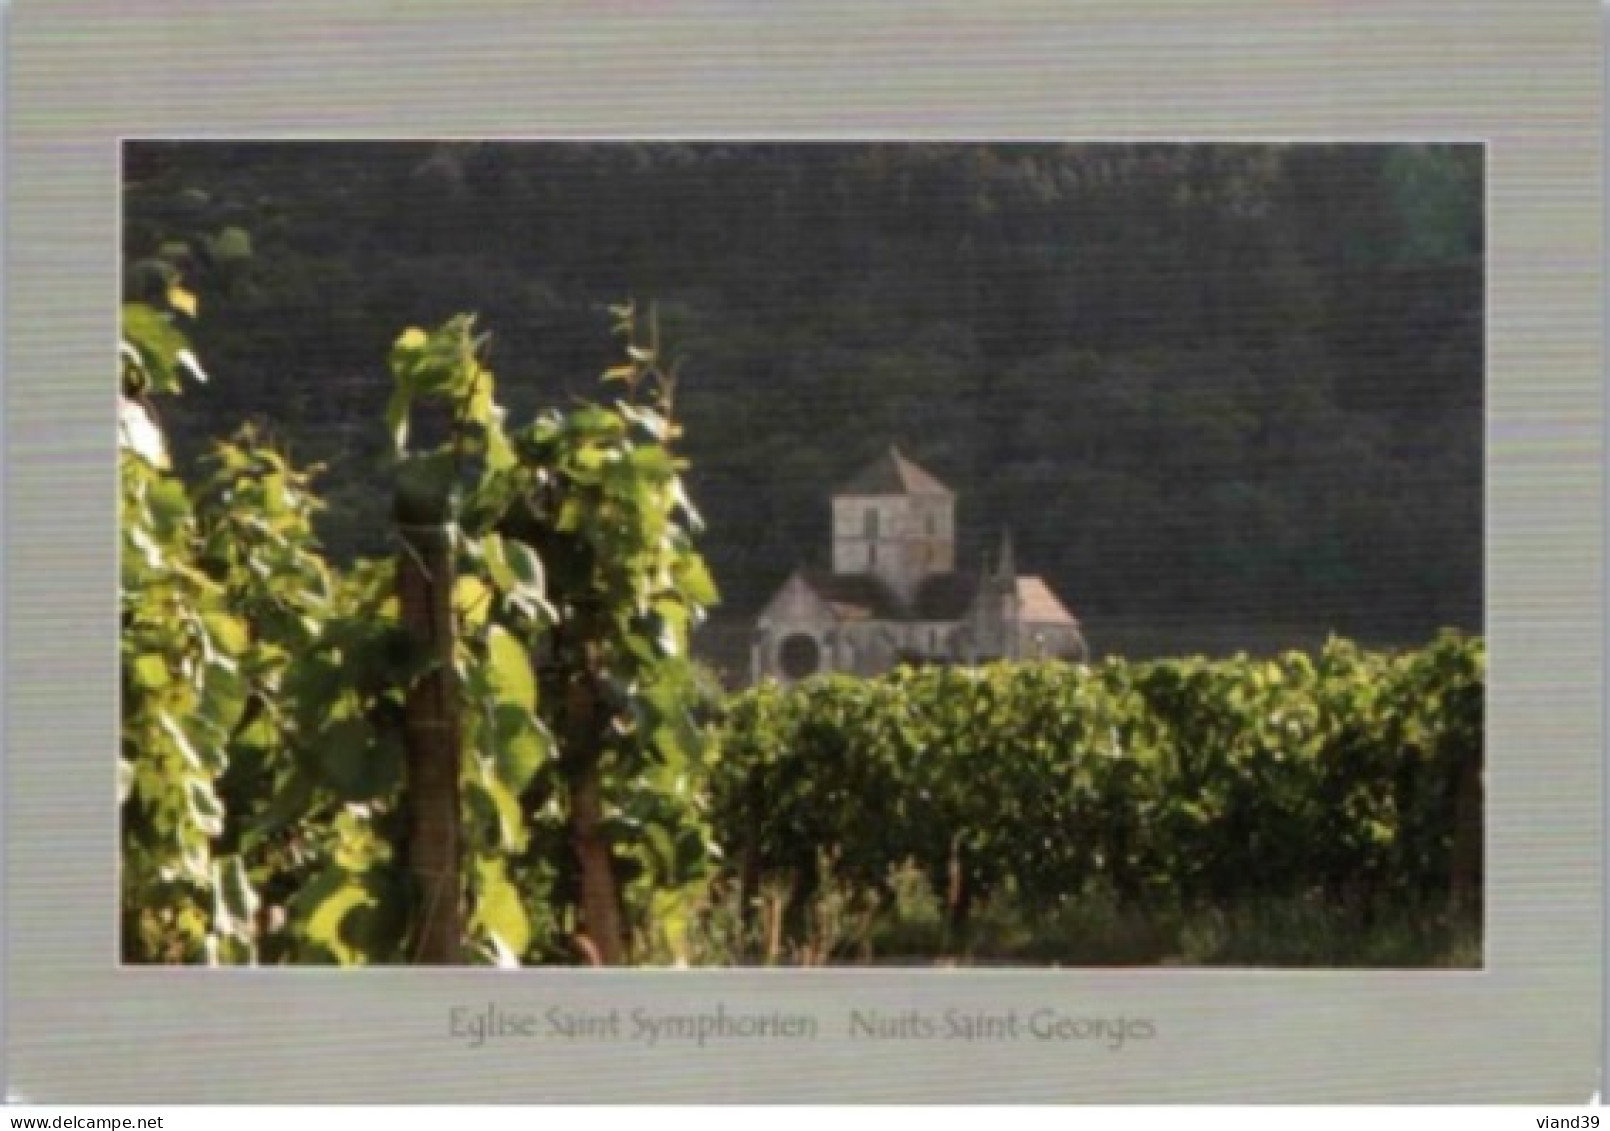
(1068, 813)
(493, 747)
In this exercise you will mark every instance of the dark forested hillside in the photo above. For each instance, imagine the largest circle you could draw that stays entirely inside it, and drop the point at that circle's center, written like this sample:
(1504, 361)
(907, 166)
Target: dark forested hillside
(1224, 396)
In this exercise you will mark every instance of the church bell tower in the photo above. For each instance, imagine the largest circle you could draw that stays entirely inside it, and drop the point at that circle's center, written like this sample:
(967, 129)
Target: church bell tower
(896, 522)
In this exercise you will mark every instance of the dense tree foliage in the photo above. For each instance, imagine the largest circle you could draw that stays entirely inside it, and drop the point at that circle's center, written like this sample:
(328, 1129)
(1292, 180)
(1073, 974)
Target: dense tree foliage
(1226, 396)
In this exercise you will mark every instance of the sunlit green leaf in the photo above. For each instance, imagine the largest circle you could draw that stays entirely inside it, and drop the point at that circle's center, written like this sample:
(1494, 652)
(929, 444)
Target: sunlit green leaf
(694, 580)
(510, 669)
(235, 898)
(229, 633)
(472, 600)
(156, 342)
(498, 909)
(322, 908)
(151, 673)
(182, 300)
(140, 435)
(206, 811)
(522, 746)
(498, 803)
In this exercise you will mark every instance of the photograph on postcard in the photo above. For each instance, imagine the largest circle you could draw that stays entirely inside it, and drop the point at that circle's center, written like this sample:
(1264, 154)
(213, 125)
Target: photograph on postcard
(808, 554)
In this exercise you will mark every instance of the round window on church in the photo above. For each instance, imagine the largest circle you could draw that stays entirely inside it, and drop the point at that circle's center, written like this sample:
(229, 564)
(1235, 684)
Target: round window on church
(799, 656)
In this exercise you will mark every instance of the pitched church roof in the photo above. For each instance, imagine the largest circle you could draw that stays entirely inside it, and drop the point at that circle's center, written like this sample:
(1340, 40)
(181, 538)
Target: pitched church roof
(863, 596)
(854, 596)
(1039, 605)
(893, 474)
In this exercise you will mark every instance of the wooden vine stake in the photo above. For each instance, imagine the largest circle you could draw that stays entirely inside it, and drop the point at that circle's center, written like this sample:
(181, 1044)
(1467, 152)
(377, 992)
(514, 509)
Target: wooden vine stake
(424, 592)
(600, 892)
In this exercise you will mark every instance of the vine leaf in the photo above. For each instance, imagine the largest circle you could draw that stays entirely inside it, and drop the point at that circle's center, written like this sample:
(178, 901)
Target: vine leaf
(509, 670)
(499, 911)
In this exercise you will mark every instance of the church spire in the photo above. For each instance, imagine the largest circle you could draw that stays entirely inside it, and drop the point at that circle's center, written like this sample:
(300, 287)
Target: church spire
(1006, 563)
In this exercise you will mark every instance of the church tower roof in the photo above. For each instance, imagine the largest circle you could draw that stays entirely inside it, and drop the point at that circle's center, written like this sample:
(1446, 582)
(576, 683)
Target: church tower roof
(893, 474)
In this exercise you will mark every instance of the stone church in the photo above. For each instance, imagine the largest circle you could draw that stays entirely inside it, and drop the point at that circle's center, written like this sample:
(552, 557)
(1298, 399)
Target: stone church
(894, 594)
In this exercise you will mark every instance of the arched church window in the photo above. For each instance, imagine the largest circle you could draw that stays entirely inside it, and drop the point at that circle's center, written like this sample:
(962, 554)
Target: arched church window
(799, 656)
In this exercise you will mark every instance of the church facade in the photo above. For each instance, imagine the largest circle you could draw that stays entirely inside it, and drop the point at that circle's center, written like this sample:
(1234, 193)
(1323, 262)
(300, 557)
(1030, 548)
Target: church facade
(894, 594)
